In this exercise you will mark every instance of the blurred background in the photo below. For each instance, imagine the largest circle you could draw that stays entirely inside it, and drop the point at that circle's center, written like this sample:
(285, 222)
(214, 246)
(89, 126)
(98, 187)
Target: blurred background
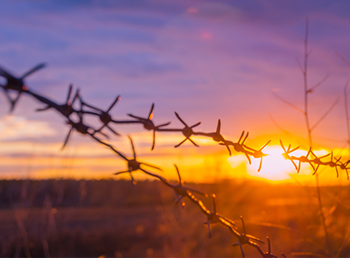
(204, 60)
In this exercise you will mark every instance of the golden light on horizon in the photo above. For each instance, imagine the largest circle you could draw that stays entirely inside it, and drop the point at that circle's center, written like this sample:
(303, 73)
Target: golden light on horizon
(276, 168)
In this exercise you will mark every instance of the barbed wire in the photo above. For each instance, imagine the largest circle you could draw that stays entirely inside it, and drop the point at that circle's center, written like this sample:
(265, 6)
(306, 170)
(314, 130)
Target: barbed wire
(17, 85)
(316, 161)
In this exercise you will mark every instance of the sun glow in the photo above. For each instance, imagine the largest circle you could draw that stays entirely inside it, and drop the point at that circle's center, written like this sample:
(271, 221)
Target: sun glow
(275, 167)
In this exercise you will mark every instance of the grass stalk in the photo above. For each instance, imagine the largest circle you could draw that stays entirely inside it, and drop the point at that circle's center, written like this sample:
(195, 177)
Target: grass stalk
(309, 133)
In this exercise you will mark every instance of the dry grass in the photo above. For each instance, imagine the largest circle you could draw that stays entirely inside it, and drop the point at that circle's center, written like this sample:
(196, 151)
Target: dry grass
(113, 218)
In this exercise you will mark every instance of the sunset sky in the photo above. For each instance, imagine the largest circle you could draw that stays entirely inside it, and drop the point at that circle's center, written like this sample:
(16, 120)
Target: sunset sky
(206, 60)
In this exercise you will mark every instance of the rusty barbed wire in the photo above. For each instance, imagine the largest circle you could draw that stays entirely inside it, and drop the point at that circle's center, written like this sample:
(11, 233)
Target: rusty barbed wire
(186, 131)
(80, 126)
(104, 116)
(316, 161)
(240, 147)
(268, 254)
(133, 164)
(65, 109)
(258, 153)
(149, 125)
(18, 86)
(216, 136)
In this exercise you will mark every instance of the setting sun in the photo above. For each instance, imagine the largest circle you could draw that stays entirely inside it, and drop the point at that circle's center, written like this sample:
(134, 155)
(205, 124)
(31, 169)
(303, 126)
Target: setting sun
(274, 167)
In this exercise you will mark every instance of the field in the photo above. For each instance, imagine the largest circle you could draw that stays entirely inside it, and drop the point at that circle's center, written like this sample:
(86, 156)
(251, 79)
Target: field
(69, 218)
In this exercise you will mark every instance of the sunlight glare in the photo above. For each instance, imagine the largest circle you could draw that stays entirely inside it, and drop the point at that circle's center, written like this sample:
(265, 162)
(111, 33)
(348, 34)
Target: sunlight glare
(236, 160)
(274, 166)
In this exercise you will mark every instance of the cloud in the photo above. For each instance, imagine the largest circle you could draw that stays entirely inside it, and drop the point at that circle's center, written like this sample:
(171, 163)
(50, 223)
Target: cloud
(16, 127)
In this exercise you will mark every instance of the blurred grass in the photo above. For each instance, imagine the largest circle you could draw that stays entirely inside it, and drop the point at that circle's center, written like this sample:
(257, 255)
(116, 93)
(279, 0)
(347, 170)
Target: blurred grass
(70, 218)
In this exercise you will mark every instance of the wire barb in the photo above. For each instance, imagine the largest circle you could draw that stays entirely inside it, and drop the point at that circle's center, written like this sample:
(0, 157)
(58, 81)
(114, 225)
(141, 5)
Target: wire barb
(149, 125)
(16, 84)
(133, 164)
